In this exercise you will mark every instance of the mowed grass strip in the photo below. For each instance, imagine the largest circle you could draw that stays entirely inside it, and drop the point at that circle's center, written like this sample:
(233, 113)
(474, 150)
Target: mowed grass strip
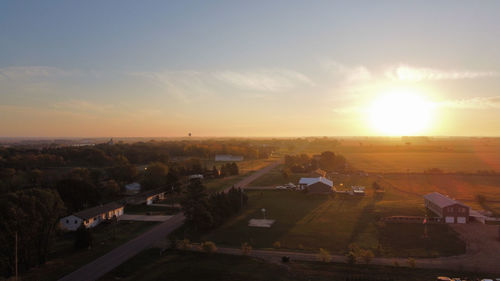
(309, 222)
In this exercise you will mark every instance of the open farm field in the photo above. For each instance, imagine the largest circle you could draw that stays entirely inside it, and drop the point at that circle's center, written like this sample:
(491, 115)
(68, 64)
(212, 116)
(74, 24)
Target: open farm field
(389, 162)
(477, 191)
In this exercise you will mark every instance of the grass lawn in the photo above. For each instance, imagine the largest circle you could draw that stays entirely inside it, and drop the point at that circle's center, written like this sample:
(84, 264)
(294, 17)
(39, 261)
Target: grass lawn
(305, 221)
(244, 166)
(275, 177)
(144, 209)
(215, 185)
(64, 259)
(174, 265)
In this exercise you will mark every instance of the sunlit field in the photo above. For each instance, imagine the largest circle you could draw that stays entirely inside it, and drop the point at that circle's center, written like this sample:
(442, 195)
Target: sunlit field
(395, 155)
(465, 188)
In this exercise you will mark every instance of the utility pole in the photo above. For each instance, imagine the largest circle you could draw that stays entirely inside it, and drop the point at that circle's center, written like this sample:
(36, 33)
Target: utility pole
(16, 257)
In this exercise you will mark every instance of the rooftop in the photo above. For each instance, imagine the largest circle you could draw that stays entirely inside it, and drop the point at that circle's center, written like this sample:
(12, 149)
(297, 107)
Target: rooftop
(309, 181)
(441, 200)
(98, 210)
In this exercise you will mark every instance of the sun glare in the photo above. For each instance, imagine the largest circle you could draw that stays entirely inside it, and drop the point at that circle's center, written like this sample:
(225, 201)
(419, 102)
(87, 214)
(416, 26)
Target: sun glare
(401, 113)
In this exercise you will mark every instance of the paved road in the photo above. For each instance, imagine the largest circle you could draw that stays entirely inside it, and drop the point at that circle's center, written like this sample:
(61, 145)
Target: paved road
(246, 181)
(109, 261)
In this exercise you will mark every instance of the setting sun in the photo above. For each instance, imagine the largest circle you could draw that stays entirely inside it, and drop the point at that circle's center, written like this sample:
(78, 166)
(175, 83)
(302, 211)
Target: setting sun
(401, 113)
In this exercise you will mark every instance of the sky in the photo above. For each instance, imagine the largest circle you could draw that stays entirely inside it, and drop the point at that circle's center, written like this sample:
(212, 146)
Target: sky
(246, 68)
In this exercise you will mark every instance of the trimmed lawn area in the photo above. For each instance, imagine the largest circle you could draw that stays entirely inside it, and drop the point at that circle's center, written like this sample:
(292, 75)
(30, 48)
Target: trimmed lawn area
(64, 259)
(215, 185)
(275, 177)
(306, 221)
(144, 209)
(175, 265)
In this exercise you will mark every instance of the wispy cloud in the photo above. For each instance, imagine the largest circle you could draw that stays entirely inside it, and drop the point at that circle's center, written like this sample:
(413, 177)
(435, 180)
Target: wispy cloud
(276, 80)
(32, 72)
(415, 74)
(350, 74)
(83, 106)
(472, 103)
(187, 85)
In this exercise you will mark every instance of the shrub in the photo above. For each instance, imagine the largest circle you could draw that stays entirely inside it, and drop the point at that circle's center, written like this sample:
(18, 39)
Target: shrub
(411, 262)
(351, 257)
(183, 244)
(208, 247)
(324, 255)
(246, 248)
(367, 256)
(83, 238)
(277, 245)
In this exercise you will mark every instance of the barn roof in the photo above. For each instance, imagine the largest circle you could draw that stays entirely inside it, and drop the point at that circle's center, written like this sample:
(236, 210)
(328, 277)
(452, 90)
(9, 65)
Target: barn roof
(441, 200)
(309, 181)
(98, 210)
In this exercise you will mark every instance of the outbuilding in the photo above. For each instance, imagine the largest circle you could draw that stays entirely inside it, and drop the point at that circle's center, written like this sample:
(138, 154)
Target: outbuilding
(451, 211)
(316, 185)
(228, 158)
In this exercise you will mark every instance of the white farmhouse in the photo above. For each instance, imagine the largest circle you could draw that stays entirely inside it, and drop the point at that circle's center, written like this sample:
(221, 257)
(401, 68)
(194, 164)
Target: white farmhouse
(92, 217)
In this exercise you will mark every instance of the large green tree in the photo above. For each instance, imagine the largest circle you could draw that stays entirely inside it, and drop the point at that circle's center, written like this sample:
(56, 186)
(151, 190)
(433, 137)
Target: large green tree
(195, 206)
(155, 176)
(33, 215)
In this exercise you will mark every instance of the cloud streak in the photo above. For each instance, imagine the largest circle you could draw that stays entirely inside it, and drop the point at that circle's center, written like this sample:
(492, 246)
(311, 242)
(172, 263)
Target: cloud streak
(188, 85)
(415, 74)
(277, 80)
(32, 72)
(472, 103)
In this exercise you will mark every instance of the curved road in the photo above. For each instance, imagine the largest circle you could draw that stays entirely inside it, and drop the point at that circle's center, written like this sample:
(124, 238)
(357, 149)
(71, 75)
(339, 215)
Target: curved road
(107, 262)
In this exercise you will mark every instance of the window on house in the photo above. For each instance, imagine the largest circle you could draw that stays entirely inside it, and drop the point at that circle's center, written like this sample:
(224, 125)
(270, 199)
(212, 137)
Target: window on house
(76, 222)
(67, 221)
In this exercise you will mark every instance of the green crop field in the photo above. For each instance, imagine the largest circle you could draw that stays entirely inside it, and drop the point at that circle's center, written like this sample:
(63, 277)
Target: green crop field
(310, 222)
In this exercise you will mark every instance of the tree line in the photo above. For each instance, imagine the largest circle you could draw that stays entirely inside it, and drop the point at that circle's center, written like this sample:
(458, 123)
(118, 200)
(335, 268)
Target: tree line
(328, 161)
(204, 212)
(106, 155)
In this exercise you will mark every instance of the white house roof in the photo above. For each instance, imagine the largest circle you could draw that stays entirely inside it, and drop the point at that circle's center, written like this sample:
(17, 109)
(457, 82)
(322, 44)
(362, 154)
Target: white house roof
(133, 186)
(441, 200)
(309, 181)
(228, 157)
(98, 210)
